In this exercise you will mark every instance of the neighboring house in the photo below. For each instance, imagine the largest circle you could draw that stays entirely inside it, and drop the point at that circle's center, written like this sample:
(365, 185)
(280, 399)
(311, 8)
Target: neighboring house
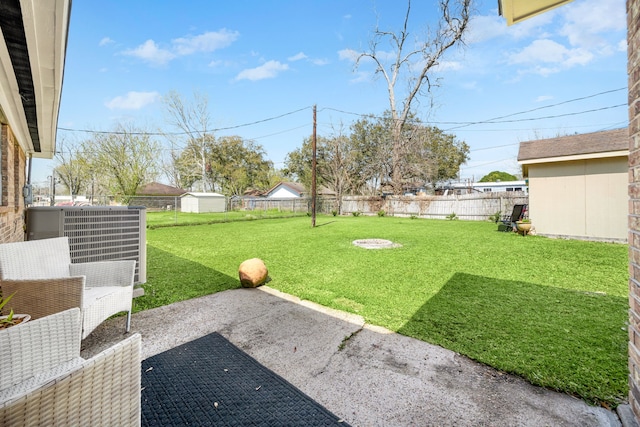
(481, 187)
(158, 196)
(32, 54)
(203, 202)
(286, 190)
(500, 186)
(578, 184)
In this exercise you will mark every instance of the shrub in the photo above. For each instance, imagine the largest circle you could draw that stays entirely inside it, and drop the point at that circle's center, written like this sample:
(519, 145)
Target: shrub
(414, 217)
(334, 212)
(381, 212)
(356, 213)
(452, 216)
(495, 217)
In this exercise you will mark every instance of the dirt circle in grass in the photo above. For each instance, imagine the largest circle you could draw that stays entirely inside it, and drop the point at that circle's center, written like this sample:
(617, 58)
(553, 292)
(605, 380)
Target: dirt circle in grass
(376, 244)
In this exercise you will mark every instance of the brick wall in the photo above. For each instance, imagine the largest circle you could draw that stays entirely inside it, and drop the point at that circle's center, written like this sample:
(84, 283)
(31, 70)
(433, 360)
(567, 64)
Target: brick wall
(13, 167)
(633, 39)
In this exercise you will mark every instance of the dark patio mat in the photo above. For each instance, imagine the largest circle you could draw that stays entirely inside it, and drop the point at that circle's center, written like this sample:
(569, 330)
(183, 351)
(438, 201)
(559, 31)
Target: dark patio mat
(211, 382)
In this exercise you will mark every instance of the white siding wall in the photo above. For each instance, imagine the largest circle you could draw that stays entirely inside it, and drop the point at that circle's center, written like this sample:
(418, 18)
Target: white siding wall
(282, 193)
(203, 203)
(585, 198)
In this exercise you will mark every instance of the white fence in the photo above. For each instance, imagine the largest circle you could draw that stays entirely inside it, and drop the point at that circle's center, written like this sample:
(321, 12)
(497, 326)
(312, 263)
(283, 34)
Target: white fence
(477, 207)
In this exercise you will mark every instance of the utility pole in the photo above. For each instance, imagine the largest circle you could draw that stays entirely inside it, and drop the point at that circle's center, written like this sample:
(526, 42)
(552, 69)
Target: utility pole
(313, 171)
(52, 194)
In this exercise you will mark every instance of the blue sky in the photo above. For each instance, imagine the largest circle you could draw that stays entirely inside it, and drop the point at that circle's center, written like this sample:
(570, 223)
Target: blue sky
(260, 60)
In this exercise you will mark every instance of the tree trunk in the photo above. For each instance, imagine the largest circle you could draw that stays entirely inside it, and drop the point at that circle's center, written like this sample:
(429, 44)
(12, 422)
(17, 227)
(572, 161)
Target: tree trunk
(396, 158)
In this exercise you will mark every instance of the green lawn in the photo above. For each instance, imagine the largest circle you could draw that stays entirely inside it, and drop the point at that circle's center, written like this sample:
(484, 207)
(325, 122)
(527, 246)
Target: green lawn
(551, 311)
(170, 218)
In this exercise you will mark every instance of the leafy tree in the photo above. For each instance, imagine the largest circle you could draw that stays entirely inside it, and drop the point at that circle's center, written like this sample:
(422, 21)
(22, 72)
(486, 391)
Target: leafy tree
(498, 176)
(372, 156)
(123, 159)
(428, 155)
(437, 154)
(276, 176)
(415, 62)
(237, 164)
(334, 164)
(297, 164)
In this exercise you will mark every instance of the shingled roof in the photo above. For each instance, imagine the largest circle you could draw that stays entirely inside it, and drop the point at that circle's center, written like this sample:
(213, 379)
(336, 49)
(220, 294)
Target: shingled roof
(158, 189)
(575, 145)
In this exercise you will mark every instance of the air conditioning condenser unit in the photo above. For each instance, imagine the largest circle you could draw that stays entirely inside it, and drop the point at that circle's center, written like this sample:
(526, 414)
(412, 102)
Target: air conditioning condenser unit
(96, 233)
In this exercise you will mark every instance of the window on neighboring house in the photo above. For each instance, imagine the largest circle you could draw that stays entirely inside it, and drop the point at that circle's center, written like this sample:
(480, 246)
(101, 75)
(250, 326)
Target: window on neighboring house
(487, 190)
(509, 188)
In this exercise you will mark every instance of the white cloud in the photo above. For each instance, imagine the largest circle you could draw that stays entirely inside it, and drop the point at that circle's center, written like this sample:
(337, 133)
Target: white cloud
(348, 55)
(550, 52)
(483, 28)
(150, 52)
(132, 100)
(622, 45)
(448, 66)
(205, 42)
(589, 21)
(543, 98)
(268, 70)
(297, 57)
(209, 41)
(301, 55)
(487, 27)
(105, 41)
(362, 76)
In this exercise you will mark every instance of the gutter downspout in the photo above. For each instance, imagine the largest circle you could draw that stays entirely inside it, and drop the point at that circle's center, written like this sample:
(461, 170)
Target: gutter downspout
(27, 190)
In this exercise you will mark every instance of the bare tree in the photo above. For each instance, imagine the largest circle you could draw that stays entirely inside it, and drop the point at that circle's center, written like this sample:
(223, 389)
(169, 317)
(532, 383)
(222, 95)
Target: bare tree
(337, 164)
(195, 121)
(419, 61)
(73, 167)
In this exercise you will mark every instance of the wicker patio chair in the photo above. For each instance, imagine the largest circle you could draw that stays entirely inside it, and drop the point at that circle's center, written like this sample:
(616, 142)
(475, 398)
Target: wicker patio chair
(45, 382)
(45, 282)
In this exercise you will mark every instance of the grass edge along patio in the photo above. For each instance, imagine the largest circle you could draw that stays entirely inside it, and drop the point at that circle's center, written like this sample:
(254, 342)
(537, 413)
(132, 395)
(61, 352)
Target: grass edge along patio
(551, 311)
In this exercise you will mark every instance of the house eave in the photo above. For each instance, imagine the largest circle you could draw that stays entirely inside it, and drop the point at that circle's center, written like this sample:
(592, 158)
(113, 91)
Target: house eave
(516, 11)
(33, 43)
(589, 156)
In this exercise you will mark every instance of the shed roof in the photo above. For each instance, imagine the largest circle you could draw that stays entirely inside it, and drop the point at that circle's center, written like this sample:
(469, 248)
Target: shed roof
(202, 195)
(575, 145)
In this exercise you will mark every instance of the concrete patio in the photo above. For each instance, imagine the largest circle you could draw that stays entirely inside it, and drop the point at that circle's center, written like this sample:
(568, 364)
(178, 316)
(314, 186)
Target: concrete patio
(366, 374)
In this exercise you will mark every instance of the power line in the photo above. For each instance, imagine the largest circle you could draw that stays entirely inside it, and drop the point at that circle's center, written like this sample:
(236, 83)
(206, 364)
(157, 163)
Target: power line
(459, 124)
(499, 118)
(183, 133)
(543, 107)
(495, 146)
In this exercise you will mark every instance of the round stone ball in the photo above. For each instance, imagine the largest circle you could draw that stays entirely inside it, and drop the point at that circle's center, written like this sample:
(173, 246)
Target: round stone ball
(253, 273)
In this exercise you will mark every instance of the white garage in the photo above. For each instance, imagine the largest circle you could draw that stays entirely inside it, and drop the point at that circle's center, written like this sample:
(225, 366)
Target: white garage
(203, 202)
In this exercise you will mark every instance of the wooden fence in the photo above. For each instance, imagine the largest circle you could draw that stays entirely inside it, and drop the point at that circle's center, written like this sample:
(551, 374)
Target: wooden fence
(476, 207)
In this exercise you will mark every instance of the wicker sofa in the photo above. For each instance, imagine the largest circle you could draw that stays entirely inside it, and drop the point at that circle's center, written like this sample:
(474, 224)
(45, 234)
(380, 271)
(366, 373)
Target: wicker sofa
(45, 382)
(44, 281)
